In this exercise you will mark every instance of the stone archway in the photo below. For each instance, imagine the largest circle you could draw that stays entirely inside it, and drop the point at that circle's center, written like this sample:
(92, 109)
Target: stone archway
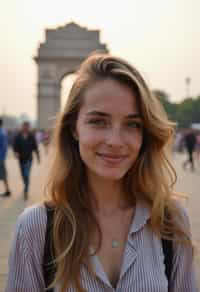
(62, 53)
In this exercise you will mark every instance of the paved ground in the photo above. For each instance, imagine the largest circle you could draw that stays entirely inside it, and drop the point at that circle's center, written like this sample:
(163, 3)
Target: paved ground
(188, 183)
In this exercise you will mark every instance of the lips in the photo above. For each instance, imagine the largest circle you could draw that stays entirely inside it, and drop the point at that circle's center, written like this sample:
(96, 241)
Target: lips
(112, 158)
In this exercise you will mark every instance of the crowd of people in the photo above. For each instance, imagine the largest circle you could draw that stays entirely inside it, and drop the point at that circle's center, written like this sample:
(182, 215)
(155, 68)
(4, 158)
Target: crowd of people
(24, 142)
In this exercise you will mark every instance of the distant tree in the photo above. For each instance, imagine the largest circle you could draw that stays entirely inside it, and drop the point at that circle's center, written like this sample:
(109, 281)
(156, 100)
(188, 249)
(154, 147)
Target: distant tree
(196, 110)
(162, 95)
(170, 108)
(189, 112)
(184, 112)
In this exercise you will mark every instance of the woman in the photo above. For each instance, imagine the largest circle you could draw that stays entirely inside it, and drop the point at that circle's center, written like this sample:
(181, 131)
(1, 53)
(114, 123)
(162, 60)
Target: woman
(110, 190)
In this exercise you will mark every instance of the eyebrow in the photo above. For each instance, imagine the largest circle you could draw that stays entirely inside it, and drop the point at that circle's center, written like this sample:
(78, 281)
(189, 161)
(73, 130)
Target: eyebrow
(103, 114)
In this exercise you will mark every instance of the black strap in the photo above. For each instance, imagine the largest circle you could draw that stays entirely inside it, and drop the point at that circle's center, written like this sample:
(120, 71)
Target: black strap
(49, 268)
(167, 246)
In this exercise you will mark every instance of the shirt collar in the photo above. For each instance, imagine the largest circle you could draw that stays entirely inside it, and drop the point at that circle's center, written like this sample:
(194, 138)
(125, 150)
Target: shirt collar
(142, 214)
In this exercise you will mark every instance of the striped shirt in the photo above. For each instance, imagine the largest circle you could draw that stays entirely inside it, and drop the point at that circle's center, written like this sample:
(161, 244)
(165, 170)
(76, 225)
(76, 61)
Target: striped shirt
(142, 269)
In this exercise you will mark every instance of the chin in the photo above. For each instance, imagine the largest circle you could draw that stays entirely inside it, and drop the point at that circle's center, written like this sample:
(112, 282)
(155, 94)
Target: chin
(111, 176)
(107, 174)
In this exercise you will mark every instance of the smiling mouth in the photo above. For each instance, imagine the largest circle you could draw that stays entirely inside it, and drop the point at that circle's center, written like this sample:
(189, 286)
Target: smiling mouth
(112, 158)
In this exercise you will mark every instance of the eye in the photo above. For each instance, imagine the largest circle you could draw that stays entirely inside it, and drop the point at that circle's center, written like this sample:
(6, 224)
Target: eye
(98, 122)
(134, 124)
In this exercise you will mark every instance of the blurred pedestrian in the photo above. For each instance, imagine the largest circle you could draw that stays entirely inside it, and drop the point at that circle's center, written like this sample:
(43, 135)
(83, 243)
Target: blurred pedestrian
(46, 141)
(190, 144)
(3, 153)
(38, 136)
(24, 145)
(198, 148)
(178, 144)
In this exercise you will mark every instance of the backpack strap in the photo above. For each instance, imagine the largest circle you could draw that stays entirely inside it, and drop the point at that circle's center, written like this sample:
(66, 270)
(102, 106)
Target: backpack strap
(167, 246)
(49, 268)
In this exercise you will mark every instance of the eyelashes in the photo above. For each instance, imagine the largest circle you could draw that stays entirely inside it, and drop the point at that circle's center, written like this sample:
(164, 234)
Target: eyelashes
(133, 125)
(97, 122)
(101, 123)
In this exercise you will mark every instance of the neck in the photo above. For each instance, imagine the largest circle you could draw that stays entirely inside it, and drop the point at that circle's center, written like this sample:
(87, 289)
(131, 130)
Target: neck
(108, 196)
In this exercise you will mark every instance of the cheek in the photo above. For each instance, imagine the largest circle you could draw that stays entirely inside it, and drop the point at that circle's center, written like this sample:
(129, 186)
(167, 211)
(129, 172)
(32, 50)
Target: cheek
(89, 139)
(88, 144)
(137, 140)
(136, 144)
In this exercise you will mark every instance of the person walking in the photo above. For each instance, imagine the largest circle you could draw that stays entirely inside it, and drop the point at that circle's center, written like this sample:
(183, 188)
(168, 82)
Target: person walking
(24, 145)
(190, 141)
(110, 221)
(198, 148)
(3, 153)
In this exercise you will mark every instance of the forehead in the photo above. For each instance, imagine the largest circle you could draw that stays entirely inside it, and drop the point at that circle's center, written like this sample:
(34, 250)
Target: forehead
(110, 96)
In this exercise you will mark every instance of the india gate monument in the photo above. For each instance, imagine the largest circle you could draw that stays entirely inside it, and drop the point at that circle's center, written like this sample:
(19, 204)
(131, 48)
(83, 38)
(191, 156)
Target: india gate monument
(61, 54)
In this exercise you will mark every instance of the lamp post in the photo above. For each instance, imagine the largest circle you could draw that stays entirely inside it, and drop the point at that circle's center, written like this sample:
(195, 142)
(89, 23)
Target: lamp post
(187, 86)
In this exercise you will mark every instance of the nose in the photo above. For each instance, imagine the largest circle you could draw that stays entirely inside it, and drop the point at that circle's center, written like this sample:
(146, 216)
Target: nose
(114, 138)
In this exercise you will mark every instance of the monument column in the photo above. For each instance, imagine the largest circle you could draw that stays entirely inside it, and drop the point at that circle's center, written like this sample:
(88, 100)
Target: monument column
(48, 103)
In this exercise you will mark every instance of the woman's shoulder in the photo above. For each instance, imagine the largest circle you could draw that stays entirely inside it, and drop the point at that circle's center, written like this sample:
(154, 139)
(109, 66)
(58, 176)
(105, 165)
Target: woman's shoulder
(181, 209)
(32, 221)
(181, 216)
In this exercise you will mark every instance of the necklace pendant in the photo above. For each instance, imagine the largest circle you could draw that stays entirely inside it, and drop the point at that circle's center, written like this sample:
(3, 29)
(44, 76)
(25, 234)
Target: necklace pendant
(115, 243)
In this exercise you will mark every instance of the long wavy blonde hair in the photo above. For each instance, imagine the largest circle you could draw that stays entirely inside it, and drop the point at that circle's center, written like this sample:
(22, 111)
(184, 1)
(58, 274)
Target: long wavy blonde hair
(151, 178)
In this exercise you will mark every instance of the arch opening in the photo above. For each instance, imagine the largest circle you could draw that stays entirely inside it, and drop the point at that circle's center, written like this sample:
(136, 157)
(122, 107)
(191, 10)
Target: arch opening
(66, 85)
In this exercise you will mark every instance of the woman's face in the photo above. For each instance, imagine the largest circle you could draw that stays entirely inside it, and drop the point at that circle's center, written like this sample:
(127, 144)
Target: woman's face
(109, 130)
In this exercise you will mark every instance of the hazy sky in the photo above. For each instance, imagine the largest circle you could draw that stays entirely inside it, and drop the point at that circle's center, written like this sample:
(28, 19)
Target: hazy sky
(160, 37)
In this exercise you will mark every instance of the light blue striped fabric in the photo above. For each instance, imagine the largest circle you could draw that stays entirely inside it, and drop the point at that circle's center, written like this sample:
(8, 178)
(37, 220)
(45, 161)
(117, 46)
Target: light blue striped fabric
(142, 269)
